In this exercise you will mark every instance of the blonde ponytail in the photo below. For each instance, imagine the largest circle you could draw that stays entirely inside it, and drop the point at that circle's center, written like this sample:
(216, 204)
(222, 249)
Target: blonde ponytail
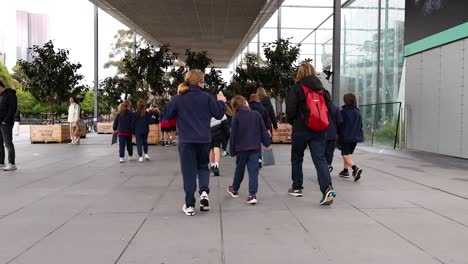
(194, 77)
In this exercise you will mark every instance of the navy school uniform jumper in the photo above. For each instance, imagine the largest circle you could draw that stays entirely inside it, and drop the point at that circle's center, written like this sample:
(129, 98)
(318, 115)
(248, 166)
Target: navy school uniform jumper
(336, 120)
(140, 128)
(302, 136)
(257, 106)
(194, 111)
(350, 131)
(123, 126)
(248, 132)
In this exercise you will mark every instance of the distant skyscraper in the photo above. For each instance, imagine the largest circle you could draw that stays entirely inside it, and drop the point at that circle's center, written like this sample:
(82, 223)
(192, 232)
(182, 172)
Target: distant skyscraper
(31, 29)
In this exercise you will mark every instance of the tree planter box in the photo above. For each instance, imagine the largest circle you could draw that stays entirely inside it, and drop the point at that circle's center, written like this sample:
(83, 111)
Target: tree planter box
(82, 130)
(50, 133)
(105, 128)
(154, 136)
(282, 134)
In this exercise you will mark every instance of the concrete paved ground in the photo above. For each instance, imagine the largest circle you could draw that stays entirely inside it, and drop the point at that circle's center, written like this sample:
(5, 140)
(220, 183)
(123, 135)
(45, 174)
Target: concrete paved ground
(77, 204)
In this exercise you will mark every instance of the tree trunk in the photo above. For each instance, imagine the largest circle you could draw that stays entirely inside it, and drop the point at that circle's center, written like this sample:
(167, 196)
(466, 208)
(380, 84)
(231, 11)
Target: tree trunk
(52, 113)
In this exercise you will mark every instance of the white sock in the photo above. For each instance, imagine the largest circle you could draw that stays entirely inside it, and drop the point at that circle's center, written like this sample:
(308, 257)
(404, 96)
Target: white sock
(216, 165)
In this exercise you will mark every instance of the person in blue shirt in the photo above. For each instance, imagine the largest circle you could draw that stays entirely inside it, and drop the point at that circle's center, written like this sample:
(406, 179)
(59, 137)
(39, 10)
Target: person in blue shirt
(248, 133)
(350, 133)
(194, 109)
(140, 126)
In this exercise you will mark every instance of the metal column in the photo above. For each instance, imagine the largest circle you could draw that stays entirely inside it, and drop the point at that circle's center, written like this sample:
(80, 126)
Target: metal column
(336, 51)
(258, 46)
(96, 61)
(279, 23)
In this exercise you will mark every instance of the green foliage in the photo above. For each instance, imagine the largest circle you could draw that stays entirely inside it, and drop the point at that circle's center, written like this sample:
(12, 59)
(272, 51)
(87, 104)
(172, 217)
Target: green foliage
(123, 46)
(110, 92)
(197, 60)
(176, 77)
(281, 56)
(248, 78)
(386, 134)
(5, 76)
(87, 105)
(50, 77)
(146, 71)
(214, 81)
(30, 106)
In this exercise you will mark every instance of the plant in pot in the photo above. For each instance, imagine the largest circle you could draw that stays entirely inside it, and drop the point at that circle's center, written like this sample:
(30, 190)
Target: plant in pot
(51, 78)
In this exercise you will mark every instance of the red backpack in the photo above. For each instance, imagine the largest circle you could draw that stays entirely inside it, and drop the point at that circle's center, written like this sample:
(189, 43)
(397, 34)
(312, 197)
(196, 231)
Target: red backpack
(316, 116)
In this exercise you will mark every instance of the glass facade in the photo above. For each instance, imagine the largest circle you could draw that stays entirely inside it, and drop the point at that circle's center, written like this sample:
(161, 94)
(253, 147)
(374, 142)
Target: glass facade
(371, 53)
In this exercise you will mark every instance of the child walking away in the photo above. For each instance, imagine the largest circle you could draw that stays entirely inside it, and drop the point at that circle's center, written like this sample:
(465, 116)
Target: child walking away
(219, 131)
(140, 125)
(165, 129)
(248, 132)
(194, 109)
(123, 127)
(350, 133)
(335, 121)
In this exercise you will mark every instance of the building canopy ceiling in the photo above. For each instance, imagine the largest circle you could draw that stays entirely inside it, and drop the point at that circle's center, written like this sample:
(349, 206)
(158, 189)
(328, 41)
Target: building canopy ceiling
(221, 27)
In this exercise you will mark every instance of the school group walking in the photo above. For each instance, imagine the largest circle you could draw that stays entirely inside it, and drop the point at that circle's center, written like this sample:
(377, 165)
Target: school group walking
(207, 128)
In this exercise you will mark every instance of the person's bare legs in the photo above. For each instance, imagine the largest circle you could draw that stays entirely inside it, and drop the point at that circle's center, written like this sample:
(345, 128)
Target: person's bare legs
(348, 161)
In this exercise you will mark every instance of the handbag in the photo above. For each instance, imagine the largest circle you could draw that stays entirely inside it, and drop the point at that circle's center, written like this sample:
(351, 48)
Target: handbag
(114, 139)
(268, 157)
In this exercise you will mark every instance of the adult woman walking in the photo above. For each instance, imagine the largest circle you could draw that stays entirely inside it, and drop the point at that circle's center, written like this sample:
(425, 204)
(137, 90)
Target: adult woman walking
(303, 136)
(194, 109)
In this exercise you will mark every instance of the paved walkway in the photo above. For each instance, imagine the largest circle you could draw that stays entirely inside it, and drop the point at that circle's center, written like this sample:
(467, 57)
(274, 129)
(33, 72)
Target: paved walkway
(77, 204)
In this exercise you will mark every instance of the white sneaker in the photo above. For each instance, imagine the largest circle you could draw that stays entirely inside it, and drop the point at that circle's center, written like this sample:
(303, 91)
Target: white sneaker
(204, 202)
(147, 157)
(10, 167)
(190, 211)
(130, 158)
(122, 160)
(224, 154)
(140, 159)
(2, 166)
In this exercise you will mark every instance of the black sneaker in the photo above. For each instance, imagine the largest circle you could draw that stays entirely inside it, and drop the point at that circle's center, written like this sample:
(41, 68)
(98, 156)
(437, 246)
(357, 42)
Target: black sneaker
(344, 174)
(328, 196)
(357, 174)
(330, 168)
(260, 163)
(295, 192)
(204, 202)
(212, 168)
(163, 143)
(216, 171)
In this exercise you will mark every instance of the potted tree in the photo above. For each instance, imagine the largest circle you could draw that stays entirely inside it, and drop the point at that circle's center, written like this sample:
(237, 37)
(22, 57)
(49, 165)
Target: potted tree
(51, 78)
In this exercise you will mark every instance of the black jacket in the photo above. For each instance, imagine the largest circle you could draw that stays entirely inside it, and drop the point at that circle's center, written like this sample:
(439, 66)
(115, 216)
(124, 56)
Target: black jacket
(266, 102)
(256, 106)
(351, 129)
(335, 119)
(8, 106)
(221, 132)
(296, 102)
(140, 125)
(123, 123)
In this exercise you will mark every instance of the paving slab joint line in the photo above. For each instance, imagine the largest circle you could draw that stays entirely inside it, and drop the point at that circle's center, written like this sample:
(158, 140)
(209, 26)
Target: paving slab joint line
(418, 183)
(441, 215)
(284, 203)
(155, 203)
(223, 256)
(66, 222)
(396, 233)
